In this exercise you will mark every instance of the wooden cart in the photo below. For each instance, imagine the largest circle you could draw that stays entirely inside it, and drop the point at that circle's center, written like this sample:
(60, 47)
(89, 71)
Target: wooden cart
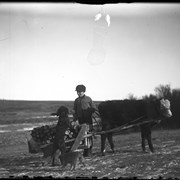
(83, 135)
(71, 145)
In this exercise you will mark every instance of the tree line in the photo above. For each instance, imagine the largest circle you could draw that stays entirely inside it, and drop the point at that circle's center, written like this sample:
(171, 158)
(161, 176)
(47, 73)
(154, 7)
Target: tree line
(166, 92)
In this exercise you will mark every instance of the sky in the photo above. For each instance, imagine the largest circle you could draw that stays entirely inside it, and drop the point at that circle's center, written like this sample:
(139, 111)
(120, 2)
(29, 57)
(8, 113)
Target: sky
(47, 49)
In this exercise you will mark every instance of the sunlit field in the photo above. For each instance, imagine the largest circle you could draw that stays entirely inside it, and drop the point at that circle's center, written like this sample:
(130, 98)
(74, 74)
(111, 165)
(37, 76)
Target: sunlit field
(127, 161)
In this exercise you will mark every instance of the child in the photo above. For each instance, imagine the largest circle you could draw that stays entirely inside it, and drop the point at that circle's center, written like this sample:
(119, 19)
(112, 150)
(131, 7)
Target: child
(61, 127)
(84, 107)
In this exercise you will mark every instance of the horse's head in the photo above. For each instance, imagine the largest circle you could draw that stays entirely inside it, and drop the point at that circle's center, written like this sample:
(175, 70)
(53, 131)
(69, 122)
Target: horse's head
(165, 108)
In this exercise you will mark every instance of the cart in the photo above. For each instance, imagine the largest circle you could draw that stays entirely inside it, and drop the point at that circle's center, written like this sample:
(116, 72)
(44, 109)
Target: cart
(83, 135)
(71, 144)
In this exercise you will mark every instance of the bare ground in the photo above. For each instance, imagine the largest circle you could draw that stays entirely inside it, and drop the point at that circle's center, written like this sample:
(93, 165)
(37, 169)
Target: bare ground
(128, 161)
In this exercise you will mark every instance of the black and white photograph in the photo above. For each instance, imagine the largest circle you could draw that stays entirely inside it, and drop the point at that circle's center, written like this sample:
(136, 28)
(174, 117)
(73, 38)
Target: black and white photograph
(89, 90)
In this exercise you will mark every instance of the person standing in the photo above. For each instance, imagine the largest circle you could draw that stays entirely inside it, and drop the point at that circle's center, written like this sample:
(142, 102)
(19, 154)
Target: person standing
(84, 107)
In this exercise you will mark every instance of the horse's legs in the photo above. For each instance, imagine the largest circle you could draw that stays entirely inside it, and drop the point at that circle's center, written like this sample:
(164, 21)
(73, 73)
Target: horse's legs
(143, 145)
(110, 139)
(150, 142)
(103, 140)
(143, 137)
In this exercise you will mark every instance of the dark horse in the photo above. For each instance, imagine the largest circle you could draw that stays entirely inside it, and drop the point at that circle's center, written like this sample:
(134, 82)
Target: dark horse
(119, 112)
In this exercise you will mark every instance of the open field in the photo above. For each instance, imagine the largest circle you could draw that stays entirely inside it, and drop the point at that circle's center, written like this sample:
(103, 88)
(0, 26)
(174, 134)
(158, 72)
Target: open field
(127, 161)
(13, 112)
(17, 118)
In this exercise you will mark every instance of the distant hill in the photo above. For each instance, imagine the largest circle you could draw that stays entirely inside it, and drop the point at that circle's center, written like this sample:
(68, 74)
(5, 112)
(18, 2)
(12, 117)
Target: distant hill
(15, 111)
(32, 106)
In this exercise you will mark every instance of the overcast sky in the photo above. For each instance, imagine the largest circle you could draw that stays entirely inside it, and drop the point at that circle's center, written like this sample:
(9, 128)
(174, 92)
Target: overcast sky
(47, 49)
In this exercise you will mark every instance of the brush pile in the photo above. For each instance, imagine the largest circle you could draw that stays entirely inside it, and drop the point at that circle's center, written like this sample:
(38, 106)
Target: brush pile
(45, 134)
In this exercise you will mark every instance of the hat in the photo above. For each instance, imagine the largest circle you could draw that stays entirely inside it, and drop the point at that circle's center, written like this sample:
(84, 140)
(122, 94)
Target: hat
(80, 88)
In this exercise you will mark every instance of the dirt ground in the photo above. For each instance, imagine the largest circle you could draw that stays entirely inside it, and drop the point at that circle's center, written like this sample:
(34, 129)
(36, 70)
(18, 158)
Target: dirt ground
(128, 161)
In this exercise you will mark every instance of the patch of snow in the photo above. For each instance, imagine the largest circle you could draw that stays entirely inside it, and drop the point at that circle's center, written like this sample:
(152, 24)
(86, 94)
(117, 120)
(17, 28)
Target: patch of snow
(121, 170)
(3, 131)
(4, 125)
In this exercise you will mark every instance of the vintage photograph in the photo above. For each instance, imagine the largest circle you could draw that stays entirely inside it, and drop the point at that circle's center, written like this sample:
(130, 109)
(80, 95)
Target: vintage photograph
(89, 90)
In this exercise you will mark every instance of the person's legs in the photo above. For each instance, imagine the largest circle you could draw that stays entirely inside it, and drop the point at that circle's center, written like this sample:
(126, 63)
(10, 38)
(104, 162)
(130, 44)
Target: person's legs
(90, 145)
(88, 151)
(90, 139)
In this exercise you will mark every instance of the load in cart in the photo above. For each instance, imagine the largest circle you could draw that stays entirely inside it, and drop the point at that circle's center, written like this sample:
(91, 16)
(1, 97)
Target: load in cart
(42, 138)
